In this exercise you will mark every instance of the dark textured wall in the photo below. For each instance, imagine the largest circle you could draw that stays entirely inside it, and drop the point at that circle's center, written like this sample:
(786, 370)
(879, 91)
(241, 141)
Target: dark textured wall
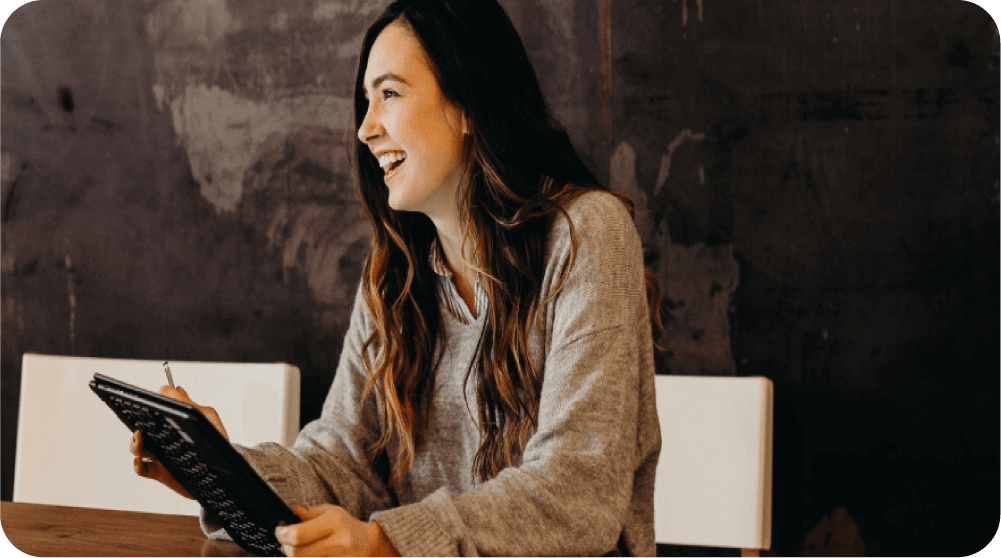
(818, 180)
(833, 168)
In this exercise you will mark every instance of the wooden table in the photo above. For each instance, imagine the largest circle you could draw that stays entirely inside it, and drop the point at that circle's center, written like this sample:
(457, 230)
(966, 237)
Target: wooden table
(41, 530)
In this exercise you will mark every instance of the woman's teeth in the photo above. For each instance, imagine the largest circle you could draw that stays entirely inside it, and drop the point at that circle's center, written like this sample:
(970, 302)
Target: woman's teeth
(390, 161)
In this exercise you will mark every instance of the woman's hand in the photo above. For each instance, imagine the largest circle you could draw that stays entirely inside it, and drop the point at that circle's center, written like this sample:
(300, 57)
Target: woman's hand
(331, 531)
(146, 465)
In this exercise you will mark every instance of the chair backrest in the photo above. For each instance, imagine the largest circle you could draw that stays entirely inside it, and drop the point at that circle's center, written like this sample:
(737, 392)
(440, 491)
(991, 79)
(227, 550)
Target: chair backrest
(714, 478)
(72, 450)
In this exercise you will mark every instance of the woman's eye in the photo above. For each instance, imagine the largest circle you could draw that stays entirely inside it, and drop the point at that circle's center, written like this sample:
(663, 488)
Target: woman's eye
(387, 93)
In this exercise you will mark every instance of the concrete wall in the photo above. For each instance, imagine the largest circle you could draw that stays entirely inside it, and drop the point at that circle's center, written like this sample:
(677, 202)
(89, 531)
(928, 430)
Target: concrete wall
(819, 181)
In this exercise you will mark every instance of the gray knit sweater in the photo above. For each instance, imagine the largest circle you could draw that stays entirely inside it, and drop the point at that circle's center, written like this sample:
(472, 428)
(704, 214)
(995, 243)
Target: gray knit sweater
(584, 483)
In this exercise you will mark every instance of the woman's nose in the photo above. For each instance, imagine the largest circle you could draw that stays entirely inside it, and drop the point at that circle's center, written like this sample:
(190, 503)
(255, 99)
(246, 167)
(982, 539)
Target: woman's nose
(370, 128)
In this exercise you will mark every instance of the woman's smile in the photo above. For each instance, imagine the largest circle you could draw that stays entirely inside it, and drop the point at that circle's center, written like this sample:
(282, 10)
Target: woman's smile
(390, 163)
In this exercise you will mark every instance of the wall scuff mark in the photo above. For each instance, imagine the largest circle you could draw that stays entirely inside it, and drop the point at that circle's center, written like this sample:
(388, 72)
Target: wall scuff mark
(684, 11)
(665, 159)
(72, 300)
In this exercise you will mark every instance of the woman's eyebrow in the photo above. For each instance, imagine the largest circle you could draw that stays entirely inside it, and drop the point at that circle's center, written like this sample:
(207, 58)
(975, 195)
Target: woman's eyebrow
(385, 77)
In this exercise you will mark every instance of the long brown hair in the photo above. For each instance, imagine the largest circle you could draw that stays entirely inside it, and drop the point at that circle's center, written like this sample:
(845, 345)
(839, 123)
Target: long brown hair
(521, 171)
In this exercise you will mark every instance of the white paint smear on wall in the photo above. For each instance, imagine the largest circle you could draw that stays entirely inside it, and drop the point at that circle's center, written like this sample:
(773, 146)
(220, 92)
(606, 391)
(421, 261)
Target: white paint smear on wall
(189, 24)
(309, 228)
(665, 159)
(223, 133)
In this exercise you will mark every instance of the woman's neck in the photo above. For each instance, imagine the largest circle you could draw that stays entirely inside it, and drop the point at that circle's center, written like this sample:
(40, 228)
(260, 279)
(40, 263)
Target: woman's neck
(450, 235)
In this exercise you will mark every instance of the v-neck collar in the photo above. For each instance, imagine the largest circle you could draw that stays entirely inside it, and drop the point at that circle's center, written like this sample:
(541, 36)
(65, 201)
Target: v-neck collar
(456, 305)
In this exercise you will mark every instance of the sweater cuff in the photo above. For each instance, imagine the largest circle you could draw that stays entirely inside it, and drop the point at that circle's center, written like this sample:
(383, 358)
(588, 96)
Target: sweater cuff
(430, 527)
(211, 527)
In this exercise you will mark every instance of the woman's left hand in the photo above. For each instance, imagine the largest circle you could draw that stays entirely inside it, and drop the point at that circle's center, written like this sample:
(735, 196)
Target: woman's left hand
(331, 531)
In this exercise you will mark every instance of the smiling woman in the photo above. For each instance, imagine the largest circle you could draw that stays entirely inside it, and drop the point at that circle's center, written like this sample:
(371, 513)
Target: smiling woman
(495, 390)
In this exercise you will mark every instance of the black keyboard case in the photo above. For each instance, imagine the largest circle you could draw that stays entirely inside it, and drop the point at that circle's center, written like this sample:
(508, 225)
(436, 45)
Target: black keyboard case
(203, 462)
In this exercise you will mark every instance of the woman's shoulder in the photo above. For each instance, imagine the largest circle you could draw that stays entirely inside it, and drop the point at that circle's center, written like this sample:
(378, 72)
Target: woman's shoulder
(594, 213)
(602, 202)
(603, 235)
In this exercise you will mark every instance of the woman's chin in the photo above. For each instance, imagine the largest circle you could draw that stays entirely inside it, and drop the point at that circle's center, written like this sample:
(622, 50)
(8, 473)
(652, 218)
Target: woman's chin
(400, 203)
(397, 202)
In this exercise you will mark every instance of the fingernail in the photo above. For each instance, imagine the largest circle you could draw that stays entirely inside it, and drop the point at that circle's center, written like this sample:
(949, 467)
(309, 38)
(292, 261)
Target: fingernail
(280, 532)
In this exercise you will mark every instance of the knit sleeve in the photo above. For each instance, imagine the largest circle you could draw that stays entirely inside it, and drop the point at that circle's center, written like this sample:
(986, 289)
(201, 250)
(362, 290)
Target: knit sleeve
(572, 492)
(328, 462)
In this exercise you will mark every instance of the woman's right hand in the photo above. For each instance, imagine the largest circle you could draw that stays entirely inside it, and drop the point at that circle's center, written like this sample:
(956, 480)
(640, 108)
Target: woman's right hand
(148, 466)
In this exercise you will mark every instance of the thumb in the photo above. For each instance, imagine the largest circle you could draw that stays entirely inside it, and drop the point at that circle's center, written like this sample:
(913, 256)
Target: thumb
(177, 394)
(306, 514)
(184, 394)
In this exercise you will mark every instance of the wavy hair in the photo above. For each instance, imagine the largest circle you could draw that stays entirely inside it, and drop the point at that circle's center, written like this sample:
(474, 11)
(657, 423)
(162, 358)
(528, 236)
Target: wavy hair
(520, 172)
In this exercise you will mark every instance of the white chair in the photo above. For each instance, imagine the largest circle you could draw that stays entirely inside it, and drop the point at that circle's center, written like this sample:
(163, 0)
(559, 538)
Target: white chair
(73, 451)
(714, 478)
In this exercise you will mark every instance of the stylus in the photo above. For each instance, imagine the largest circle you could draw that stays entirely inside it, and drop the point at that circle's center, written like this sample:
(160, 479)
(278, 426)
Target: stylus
(166, 368)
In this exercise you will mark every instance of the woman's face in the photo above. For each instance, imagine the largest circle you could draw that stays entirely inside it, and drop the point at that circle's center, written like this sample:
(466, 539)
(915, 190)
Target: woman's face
(410, 127)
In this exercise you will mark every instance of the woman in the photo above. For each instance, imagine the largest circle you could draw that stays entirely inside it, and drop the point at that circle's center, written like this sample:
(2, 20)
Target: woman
(495, 390)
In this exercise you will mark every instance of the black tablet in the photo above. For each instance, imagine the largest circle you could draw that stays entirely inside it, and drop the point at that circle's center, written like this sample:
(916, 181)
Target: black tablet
(203, 461)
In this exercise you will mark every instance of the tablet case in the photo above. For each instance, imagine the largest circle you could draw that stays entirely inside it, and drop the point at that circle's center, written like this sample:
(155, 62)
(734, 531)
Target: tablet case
(202, 461)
